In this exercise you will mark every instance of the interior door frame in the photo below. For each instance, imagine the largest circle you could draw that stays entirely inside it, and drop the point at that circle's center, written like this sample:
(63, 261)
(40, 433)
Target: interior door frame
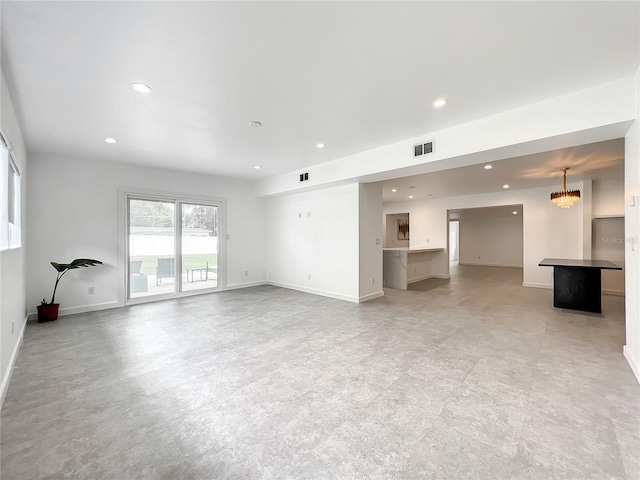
(127, 193)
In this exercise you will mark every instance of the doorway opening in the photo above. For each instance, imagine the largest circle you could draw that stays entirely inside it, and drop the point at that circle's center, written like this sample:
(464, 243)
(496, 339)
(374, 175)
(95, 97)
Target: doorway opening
(486, 237)
(454, 241)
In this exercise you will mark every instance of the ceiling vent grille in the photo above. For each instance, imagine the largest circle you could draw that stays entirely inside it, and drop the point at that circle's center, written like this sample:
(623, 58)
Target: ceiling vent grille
(422, 149)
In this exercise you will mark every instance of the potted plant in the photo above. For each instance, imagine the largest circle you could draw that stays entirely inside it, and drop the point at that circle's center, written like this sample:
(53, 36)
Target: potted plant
(49, 311)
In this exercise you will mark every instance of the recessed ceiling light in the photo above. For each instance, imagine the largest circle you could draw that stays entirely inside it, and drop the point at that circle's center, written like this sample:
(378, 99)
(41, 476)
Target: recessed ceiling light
(257, 167)
(110, 140)
(505, 186)
(410, 196)
(488, 167)
(394, 190)
(439, 102)
(255, 123)
(141, 87)
(320, 145)
(514, 212)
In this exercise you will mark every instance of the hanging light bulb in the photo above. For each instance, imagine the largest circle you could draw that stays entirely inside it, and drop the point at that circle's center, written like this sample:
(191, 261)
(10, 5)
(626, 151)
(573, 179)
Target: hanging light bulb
(565, 198)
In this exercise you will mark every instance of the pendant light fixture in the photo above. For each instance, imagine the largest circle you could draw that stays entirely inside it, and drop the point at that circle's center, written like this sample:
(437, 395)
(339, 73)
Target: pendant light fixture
(565, 198)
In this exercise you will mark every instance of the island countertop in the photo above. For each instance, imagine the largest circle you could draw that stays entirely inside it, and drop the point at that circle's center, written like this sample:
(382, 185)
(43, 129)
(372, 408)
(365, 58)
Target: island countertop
(568, 262)
(577, 284)
(415, 250)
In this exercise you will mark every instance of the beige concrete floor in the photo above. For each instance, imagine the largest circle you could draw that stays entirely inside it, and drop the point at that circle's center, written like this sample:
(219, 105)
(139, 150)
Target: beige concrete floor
(475, 378)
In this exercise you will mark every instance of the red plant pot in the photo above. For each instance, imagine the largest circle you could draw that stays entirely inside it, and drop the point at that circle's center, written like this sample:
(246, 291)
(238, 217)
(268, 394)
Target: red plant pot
(48, 313)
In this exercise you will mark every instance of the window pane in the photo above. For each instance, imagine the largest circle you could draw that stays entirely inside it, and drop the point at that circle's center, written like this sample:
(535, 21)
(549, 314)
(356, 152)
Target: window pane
(151, 248)
(11, 187)
(199, 246)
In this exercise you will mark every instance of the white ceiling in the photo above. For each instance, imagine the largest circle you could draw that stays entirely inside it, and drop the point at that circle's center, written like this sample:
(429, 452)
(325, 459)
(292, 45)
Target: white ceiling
(354, 75)
(595, 161)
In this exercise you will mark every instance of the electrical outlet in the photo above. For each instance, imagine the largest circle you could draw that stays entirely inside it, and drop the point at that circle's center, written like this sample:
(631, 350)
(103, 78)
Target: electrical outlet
(246, 273)
(92, 290)
(13, 327)
(373, 281)
(309, 277)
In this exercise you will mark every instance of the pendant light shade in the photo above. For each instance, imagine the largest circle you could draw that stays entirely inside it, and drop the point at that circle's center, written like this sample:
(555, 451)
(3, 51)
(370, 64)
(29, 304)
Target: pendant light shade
(565, 198)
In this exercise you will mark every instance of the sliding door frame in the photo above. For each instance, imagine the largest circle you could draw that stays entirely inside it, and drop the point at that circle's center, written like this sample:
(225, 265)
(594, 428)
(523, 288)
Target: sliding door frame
(131, 193)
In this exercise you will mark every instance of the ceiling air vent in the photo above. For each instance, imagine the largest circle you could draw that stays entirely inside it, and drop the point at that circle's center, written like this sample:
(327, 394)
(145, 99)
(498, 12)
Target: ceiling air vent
(304, 177)
(422, 149)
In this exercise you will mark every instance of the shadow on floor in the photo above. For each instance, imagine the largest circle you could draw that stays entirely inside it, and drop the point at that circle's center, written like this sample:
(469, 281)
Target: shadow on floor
(428, 284)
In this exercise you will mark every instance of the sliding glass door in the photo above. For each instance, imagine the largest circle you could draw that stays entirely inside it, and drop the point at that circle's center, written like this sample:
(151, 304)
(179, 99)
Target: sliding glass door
(173, 247)
(151, 247)
(199, 246)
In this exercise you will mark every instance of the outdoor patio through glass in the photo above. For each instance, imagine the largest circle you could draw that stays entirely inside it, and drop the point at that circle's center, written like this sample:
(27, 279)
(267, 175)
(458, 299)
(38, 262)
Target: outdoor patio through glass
(160, 265)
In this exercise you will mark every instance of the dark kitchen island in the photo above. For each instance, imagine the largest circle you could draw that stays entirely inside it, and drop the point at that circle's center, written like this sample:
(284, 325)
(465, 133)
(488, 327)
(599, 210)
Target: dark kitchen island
(577, 283)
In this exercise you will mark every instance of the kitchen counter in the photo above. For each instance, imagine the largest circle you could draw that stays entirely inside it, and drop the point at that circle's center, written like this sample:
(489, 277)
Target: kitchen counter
(402, 266)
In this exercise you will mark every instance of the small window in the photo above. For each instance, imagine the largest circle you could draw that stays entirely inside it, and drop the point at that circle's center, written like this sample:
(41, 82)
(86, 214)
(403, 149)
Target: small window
(11, 193)
(10, 228)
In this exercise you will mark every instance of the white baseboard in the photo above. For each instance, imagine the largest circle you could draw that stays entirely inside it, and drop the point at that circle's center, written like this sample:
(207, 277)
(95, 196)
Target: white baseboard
(6, 379)
(313, 291)
(427, 277)
(82, 309)
(371, 296)
(633, 362)
(236, 286)
(482, 264)
(537, 285)
(616, 293)
(105, 306)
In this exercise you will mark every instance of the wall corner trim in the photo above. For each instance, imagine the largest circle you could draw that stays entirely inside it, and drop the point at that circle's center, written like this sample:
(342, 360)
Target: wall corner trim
(633, 362)
(82, 309)
(537, 285)
(322, 293)
(371, 296)
(6, 379)
(427, 277)
(237, 286)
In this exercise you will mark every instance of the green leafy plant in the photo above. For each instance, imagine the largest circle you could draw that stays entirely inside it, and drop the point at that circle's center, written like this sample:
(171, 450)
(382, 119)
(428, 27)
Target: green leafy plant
(63, 268)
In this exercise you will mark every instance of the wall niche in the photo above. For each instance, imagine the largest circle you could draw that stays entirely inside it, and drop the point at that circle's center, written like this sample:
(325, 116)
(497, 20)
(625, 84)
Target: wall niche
(397, 230)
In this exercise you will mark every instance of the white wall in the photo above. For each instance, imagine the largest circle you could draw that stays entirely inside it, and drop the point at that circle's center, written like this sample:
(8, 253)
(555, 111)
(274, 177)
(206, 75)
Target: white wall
(491, 241)
(423, 265)
(608, 197)
(370, 251)
(548, 231)
(632, 232)
(13, 314)
(313, 242)
(608, 201)
(608, 244)
(73, 207)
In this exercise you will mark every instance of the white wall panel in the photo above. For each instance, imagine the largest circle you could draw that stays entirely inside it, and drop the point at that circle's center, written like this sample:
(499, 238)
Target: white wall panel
(74, 213)
(13, 276)
(313, 242)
